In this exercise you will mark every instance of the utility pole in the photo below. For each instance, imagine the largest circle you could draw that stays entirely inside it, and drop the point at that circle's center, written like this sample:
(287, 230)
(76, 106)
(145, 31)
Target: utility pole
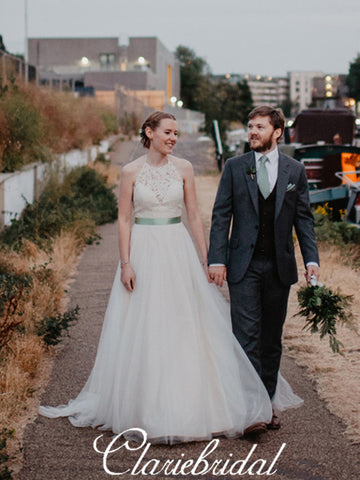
(26, 54)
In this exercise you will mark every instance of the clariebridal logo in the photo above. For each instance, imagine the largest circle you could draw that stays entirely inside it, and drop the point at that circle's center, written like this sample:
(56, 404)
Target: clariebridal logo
(182, 466)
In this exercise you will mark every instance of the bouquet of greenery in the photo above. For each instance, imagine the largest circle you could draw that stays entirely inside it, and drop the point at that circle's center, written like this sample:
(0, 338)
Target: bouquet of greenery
(322, 308)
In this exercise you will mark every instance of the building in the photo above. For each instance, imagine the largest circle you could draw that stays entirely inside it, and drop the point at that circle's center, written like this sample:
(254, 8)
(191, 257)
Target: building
(100, 64)
(271, 91)
(298, 91)
(330, 90)
(301, 89)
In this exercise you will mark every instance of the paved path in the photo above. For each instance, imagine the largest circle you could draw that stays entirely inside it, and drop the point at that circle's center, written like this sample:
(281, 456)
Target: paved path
(316, 448)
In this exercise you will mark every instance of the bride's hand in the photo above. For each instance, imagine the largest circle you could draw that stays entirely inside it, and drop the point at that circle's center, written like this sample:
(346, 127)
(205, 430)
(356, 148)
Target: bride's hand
(206, 270)
(128, 277)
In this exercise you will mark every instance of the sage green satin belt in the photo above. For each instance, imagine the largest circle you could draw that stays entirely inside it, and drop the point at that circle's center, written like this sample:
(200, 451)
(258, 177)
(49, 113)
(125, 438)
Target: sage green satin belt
(157, 221)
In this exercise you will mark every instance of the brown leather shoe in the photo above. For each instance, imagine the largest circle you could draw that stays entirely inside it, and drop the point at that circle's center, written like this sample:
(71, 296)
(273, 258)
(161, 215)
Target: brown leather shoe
(256, 428)
(275, 423)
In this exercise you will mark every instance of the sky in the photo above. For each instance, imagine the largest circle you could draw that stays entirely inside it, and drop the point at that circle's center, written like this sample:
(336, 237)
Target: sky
(262, 37)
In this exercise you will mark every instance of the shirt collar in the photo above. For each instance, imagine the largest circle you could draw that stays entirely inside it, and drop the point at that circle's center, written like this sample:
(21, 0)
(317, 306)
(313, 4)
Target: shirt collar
(273, 156)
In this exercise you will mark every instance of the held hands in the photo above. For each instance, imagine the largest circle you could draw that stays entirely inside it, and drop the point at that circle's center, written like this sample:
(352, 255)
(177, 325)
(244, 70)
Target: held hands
(217, 274)
(206, 270)
(310, 271)
(128, 277)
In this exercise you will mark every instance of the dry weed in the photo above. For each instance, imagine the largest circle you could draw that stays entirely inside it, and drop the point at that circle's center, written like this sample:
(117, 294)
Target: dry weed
(24, 353)
(110, 172)
(336, 376)
(22, 357)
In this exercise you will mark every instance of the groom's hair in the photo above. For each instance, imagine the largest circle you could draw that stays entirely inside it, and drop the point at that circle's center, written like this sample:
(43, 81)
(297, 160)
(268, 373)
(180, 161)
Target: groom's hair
(276, 116)
(153, 121)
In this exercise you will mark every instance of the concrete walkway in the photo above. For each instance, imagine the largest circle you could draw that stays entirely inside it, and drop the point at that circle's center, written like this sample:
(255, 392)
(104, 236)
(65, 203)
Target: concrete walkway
(316, 448)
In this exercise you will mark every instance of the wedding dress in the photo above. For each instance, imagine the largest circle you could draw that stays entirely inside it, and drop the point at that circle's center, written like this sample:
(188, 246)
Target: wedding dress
(167, 360)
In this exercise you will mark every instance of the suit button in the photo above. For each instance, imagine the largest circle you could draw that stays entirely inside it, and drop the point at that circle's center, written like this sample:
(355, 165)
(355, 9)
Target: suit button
(256, 227)
(252, 245)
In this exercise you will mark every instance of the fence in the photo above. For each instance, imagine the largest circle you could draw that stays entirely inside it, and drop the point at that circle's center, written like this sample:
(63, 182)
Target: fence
(12, 66)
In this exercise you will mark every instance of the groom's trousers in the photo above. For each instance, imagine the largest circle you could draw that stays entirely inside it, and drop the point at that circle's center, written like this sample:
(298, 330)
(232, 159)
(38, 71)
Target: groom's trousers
(258, 310)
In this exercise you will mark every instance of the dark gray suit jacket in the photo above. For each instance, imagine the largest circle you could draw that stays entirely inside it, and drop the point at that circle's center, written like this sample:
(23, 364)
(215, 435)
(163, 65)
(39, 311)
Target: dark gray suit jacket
(237, 200)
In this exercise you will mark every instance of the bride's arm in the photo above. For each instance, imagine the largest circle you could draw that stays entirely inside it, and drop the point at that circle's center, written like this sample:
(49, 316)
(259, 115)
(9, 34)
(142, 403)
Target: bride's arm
(193, 213)
(124, 224)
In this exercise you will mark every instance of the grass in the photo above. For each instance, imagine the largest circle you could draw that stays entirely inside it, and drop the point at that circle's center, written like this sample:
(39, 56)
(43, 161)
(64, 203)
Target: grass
(38, 254)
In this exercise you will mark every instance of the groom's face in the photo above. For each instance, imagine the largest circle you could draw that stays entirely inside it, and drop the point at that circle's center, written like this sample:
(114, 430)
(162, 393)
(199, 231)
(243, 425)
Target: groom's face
(262, 135)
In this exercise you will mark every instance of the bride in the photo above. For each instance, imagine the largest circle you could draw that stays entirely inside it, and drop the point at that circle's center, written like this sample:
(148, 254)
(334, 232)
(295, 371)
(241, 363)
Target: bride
(167, 360)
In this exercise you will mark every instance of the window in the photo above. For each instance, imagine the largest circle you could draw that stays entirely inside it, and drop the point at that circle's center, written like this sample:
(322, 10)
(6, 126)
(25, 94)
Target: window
(107, 59)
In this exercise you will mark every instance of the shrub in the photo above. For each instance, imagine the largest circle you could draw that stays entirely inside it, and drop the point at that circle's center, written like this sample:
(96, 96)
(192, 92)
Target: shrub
(102, 158)
(13, 286)
(52, 328)
(84, 196)
(93, 195)
(109, 120)
(5, 473)
(21, 133)
(34, 122)
(338, 233)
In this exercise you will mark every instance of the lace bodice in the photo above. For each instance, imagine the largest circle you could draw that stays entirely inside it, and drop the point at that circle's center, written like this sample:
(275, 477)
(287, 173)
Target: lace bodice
(158, 191)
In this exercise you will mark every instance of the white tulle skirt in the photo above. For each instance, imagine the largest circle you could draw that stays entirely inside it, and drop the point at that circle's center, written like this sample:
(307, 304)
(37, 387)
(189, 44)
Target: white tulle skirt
(167, 361)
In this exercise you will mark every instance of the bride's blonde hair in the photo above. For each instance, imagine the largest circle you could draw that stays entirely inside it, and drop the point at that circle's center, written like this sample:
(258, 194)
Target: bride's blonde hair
(153, 121)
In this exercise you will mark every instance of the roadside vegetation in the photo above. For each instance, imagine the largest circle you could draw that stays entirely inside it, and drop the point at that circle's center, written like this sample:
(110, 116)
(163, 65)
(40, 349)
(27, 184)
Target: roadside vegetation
(335, 376)
(38, 253)
(40, 248)
(36, 122)
(333, 232)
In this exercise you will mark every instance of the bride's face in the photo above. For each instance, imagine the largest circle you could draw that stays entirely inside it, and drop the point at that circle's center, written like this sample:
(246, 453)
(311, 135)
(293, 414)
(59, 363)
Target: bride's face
(164, 137)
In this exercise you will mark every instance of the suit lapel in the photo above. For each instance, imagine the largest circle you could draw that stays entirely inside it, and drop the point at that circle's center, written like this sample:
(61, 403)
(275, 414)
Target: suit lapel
(251, 180)
(282, 182)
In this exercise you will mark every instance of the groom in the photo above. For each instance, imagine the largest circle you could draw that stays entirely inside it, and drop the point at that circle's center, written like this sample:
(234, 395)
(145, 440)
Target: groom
(265, 194)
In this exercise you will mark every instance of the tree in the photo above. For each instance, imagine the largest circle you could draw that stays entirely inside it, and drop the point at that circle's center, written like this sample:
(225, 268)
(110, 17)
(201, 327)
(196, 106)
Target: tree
(225, 102)
(353, 79)
(287, 107)
(219, 100)
(193, 73)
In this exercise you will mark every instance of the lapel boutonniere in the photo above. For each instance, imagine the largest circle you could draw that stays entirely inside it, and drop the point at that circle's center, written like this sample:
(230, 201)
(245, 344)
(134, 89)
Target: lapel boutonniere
(251, 171)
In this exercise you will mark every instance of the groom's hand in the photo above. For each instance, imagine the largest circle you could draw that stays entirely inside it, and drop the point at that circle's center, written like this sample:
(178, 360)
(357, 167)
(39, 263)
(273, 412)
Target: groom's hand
(310, 271)
(217, 274)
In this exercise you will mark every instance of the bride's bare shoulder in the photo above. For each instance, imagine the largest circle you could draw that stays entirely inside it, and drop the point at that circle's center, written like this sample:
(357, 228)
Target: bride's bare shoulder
(184, 166)
(131, 169)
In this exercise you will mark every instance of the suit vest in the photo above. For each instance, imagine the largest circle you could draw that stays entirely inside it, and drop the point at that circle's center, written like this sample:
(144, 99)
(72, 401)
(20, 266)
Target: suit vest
(265, 244)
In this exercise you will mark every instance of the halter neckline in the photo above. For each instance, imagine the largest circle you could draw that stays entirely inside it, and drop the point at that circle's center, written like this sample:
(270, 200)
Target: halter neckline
(160, 166)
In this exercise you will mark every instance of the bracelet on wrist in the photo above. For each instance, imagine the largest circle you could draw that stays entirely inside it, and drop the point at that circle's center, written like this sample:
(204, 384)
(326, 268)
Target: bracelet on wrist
(124, 263)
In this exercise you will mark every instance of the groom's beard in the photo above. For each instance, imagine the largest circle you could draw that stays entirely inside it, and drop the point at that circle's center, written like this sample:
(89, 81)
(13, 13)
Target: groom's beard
(261, 145)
